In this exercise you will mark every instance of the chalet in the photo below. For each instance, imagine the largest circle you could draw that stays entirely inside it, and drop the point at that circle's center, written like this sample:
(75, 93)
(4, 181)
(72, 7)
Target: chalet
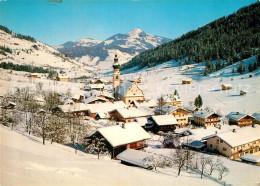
(239, 119)
(172, 100)
(226, 86)
(77, 108)
(236, 143)
(107, 107)
(62, 78)
(95, 100)
(191, 109)
(257, 117)
(187, 81)
(127, 136)
(129, 92)
(180, 114)
(206, 119)
(164, 123)
(77, 98)
(131, 113)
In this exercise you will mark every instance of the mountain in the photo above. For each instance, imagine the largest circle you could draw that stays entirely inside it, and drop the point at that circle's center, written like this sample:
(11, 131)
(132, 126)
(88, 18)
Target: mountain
(25, 50)
(229, 38)
(101, 53)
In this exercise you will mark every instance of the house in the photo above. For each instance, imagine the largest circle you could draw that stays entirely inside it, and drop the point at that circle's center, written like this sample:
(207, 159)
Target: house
(236, 143)
(77, 97)
(95, 100)
(187, 81)
(152, 104)
(144, 122)
(101, 81)
(242, 92)
(226, 86)
(107, 107)
(35, 75)
(257, 117)
(134, 157)
(77, 108)
(180, 114)
(164, 123)
(206, 119)
(172, 100)
(131, 113)
(191, 109)
(62, 78)
(99, 87)
(127, 136)
(239, 119)
(129, 92)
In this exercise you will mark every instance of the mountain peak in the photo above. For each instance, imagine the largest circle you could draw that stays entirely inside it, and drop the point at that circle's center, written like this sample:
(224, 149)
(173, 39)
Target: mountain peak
(135, 32)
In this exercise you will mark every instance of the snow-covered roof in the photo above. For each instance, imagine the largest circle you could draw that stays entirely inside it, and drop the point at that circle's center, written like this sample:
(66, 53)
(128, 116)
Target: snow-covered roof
(236, 116)
(203, 114)
(62, 76)
(102, 80)
(256, 116)
(165, 120)
(241, 136)
(176, 98)
(117, 135)
(103, 115)
(148, 103)
(250, 158)
(11, 103)
(142, 121)
(123, 87)
(187, 79)
(133, 112)
(190, 108)
(135, 157)
(195, 144)
(76, 96)
(68, 101)
(39, 99)
(106, 107)
(90, 99)
(96, 86)
(167, 109)
(77, 107)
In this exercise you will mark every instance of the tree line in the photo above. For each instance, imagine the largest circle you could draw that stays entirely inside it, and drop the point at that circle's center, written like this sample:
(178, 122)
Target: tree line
(230, 38)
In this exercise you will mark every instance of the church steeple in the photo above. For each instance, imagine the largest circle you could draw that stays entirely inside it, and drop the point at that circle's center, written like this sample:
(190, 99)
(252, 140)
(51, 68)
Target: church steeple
(116, 75)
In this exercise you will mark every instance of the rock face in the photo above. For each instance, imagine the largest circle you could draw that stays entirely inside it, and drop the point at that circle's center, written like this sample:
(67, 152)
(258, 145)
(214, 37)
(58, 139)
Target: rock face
(101, 53)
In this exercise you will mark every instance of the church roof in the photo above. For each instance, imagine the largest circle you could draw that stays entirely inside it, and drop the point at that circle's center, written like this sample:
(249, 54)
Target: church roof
(122, 88)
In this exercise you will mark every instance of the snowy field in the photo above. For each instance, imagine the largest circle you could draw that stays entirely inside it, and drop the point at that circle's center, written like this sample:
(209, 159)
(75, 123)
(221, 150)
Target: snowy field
(165, 78)
(25, 161)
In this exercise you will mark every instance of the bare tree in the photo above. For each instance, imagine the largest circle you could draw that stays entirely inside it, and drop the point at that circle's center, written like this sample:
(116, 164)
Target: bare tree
(154, 161)
(160, 106)
(213, 165)
(43, 124)
(171, 140)
(203, 162)
(179, 159)
(97, 145)
(222, 170)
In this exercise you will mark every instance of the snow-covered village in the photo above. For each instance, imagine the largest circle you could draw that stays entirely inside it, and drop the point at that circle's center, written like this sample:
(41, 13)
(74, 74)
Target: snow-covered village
(131, 108)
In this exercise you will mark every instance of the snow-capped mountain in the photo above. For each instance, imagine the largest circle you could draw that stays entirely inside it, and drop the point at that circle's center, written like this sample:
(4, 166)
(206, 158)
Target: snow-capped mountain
(38, 54)
(101, 53)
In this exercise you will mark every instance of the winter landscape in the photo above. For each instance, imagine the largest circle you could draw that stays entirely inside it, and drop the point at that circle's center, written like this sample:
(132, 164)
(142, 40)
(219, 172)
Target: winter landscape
(120, 93)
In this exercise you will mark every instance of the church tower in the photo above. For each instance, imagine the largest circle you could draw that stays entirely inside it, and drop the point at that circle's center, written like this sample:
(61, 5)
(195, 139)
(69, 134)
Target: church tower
(116, 75)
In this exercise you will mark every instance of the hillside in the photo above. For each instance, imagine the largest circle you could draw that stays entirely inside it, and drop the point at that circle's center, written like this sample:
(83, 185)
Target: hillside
(25, 50)
(230, 38)
(101, 53)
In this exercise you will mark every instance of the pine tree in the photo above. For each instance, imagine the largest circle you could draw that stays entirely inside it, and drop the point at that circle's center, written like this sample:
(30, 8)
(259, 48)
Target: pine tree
(200, 102)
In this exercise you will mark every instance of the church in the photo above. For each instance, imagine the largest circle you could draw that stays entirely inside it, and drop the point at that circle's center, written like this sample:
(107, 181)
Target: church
(125, 91)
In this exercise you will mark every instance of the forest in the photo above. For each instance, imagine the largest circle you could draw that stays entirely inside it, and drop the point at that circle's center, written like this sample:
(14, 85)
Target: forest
(230, 39)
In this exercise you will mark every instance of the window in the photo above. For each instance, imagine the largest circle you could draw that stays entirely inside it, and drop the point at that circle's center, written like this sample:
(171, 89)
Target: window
(210, 145)
(224, 149)
(221, 141)
(116, 77)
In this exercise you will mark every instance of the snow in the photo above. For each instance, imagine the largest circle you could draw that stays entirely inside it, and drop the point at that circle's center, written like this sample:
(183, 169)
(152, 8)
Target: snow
(26, 161)
(250, 157)
(241, 136)
(117, 135)
(77, 107)
(133, 112)
(134, 157)
(165, 120)
(106, 107)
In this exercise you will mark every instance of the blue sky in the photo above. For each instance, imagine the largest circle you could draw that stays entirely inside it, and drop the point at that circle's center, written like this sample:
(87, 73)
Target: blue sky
(56, 23)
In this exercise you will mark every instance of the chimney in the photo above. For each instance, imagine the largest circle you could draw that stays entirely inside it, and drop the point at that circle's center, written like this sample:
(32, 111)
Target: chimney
(234, 130)
(123, 125)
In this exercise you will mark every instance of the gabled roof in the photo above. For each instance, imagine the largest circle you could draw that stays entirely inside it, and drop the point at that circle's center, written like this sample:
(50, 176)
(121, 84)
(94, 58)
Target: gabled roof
(250, 158)
(236, 116)
(203, 114)
(190, 108)
(167, 109)
(165, 120)
(76, 96)
(123, 87)
(135, 157)
(90, 99)
(77, 107)
(103, 115)
(102, 80)
(68, 101)
(227, 85)
(241, 136)
(133, 112)
(106, 107)
(117, 135)
(256, 116)
(149, 103)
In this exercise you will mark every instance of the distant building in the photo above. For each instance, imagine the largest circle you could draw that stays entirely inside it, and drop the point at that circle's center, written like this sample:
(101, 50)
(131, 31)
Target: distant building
(172, 100)
(239, 119)
(35, 75)
(187, 81)
(226, 86)
(191, 109)
(257, 117)
(206, 119)
(62, 78)
(236, 143)
(242, 92)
